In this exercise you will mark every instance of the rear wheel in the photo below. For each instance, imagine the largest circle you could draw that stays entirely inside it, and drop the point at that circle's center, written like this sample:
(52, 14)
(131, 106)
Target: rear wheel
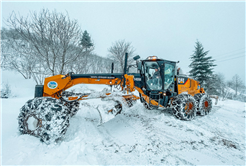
(204, 104)
(185, 107)
(46, 118)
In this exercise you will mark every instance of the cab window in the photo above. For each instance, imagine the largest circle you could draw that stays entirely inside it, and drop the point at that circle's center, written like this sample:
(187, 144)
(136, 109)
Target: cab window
(169, 75)
(153, 75)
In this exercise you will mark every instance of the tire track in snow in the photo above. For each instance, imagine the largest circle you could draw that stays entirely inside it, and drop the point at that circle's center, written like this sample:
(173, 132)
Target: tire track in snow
(158, 132)
(156, 136)
(153, 144)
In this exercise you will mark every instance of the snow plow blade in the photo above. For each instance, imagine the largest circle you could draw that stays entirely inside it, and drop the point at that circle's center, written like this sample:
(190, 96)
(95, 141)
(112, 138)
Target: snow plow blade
(107, 114)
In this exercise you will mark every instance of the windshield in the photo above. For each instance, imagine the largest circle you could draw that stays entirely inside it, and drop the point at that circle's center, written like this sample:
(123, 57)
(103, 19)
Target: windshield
(169, 75)
(153, 76)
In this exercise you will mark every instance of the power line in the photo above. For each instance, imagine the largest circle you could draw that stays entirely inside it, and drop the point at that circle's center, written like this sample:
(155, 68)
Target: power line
(231, 58)
(230, 55)
(231, 52)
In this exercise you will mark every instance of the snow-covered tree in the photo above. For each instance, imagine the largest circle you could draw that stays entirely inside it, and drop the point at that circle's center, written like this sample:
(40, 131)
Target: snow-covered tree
(4, 52)
(229, 84)
(221, 85)
(237, 84)
(86, 41)
(4, 49)
(212, 85)
(201, 66)
(53, 38)
(117, 53)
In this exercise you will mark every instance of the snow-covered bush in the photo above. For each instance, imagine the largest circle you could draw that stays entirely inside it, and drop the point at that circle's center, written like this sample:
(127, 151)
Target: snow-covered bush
(5, 90)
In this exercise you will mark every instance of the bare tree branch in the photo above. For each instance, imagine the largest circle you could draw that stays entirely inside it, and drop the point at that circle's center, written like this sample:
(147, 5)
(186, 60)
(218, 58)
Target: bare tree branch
(52, 37)
(117, 52)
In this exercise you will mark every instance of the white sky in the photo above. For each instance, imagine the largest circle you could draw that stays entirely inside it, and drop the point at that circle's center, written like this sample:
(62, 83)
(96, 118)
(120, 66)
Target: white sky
(168, 30)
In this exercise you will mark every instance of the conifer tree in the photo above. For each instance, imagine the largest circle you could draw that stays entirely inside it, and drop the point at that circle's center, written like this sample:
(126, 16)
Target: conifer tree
(86, 41)
(201, 66)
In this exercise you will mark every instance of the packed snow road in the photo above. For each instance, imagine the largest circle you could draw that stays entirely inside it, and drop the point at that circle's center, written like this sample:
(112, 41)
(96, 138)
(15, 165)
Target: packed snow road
(137, 136)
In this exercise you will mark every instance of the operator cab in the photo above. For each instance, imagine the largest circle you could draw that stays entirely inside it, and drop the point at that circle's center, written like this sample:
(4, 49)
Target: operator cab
(158, 78)
(158, 74)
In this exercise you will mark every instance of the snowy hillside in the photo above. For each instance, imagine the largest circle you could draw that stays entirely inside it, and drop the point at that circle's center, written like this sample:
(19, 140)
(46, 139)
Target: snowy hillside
(137, 136)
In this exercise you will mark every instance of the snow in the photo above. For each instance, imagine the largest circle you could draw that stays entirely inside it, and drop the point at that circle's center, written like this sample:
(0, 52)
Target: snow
(135, 137)
(32, 123)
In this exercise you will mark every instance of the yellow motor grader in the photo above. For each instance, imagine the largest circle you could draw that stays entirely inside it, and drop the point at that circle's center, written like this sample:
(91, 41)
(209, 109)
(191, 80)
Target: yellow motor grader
(157, 82)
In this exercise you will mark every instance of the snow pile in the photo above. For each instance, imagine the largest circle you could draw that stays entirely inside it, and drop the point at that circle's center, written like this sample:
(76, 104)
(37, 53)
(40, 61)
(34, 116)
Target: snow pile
(137, 136)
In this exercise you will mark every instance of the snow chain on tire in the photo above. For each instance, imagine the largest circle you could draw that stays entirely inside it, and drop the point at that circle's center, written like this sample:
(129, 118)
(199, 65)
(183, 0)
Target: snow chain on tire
(73, 107)
(204, 106)
(185, 107)
(44, 117)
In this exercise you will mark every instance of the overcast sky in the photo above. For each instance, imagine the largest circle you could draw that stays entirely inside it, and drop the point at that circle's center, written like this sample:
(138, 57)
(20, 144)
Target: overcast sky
(168, 30)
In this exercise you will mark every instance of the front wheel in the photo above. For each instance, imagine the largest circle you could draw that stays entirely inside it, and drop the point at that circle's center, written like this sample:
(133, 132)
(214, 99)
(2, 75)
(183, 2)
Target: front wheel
(45, 117)
(185, 107)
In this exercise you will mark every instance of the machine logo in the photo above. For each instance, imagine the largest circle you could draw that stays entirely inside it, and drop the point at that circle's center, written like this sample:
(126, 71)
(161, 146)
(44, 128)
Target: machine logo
(52, 84)
(181, 80)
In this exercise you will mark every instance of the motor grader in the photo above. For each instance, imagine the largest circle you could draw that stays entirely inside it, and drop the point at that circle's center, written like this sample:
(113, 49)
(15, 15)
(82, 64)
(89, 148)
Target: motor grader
(47, 115)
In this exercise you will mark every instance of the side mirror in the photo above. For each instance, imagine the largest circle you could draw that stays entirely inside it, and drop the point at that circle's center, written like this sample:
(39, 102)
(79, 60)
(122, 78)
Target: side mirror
(136, 57)
(139, 64)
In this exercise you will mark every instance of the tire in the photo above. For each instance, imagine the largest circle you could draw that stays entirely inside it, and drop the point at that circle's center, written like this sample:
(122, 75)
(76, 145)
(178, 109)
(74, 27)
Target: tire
(184, 107)
(45, 117)
(204, 106)
(73, 107)
(198, 96)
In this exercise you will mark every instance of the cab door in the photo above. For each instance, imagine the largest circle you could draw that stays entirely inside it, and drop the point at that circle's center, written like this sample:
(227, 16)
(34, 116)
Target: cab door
(151, 71)
(169, 75)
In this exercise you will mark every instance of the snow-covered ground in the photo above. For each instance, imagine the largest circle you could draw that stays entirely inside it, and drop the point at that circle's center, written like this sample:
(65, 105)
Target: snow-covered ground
(137, 136)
